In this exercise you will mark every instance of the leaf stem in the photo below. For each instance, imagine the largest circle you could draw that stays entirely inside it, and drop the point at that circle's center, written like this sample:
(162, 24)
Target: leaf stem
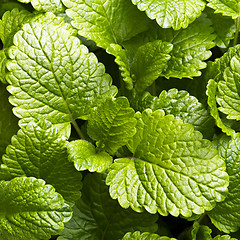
(235, 41)
(202, 217)
(78, 130)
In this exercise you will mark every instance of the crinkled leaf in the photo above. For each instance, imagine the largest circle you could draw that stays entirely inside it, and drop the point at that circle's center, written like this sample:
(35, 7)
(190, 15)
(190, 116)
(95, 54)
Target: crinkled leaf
(224, 237)
(228, 94)
(211, 93)
(144, 236)
(3, 61)
(29, 209)
(8, 122)
(190, 47)
(176, 14)
(226, 7)
(224, 28)
(85, 157)
(201, 232)
(55, 6)
(10, 23)
(53, 75)
(226, 215)
(38, 150)
(97, 216)
(105, 21)
(112, 124)
(186, 107)
(173, 170)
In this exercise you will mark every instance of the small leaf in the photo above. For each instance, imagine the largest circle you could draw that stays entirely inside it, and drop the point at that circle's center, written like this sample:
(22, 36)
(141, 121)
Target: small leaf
(105, 21)
(38, 150)
(226, 7)
(173, 170)
(224, 237)
(175, 14)
(201, 232)
(85, 157)
(144, 236)
(97, 216)
(29, 209)
(53, 75)
(225, 216)
(112, 124)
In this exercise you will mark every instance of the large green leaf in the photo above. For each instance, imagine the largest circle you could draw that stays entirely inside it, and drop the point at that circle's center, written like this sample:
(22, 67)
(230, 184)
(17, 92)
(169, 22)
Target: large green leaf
(226, 7)
(173, 170)
(38, 150)
(8, 122)
(53, 75)
(112, 124)
(190, 47)
(105, 21)
(225, 215)
(55, 6)
(144, 236)
(29, 209)
(85, 157)
(176, 14)
(97, 216)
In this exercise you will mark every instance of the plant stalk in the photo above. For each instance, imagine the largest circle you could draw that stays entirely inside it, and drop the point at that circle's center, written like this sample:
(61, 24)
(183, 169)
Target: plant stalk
(78, 130)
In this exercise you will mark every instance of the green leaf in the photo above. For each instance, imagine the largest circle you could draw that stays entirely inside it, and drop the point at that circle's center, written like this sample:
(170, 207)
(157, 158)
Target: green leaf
(55, 6)
(211, 93)
(224, 237)
(105, 21)
(8, 122)
(144, 236)
(175, 14)
(186, 107)
(3, 61)
(53, 75)
(85, 157)
(112, 124)
(38, 150)
(10, 23)
(29, 209)
(201, 232)
(173, 170)
(190, 47)
(226, 7)
(97, 216)
(225, 216)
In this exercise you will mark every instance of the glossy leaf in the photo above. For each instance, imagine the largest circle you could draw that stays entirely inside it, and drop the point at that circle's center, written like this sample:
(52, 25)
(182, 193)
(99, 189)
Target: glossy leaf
(144, 236)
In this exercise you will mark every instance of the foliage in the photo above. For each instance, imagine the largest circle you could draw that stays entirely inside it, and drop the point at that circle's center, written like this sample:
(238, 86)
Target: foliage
(119, 119)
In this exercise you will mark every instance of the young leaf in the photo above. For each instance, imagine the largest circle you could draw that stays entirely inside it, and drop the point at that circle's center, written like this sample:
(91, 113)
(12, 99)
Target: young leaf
(38, 150)
(173, 170)
(190, 47)
(175, 14)
(29, 209)
(224, 237)
(225, 216)
(55, 6)
(112, 124)
(105, 21)
(144, 236)
(8, 122)
(97, 216)
(186, 107)
(85, 157)
(201, 232)
(53, 75)
(226, 7)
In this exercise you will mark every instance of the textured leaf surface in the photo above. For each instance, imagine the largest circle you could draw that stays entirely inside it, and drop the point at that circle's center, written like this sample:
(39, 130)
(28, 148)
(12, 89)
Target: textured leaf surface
(55, 6)
(3, 61)
(226, 215)
(201, 232)
(29, 209)
(38, 150)
(176, 14)
(85, 157)
(144, 236)
(105, 21)
(97, 216)
(190, 47)
(226, 7)
(112, 124)
(8, 122)
(224, 237)
(53, 75)
(173, 170)
(186, 107)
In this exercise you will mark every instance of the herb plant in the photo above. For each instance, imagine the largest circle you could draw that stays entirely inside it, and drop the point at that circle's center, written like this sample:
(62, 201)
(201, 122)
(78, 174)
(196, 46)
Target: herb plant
(119, 119)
